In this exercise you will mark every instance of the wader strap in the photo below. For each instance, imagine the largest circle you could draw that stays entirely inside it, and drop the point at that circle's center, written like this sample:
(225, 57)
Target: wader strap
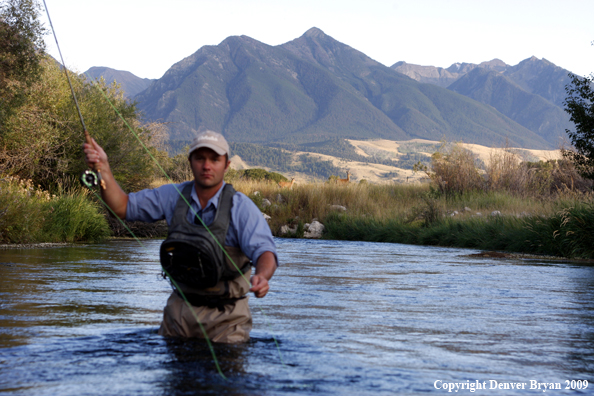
(209, 301)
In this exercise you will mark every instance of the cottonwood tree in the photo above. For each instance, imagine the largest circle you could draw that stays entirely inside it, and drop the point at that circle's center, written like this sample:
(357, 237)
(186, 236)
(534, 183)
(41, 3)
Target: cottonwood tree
(580, 106)
(21, 47)
(40, 131)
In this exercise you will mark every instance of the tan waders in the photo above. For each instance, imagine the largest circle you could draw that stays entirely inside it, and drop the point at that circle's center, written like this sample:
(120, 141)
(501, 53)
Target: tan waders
(229, 323)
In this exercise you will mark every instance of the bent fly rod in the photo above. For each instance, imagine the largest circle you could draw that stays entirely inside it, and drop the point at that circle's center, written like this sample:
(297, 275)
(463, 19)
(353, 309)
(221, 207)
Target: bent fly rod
(90, 177)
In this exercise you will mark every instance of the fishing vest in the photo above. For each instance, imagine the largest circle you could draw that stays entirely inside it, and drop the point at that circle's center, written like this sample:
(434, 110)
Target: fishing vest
(194, 260)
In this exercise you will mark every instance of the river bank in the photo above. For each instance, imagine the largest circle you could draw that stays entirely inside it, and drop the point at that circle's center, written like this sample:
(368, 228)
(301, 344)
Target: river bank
(561, 225)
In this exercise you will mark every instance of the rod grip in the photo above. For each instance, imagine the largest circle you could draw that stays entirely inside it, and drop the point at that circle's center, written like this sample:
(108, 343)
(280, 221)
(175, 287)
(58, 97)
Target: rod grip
(88, 138)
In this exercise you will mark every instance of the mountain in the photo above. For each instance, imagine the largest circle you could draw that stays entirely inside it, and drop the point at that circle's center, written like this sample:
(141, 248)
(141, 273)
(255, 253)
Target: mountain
(444, 77)
(257, 93)
(530, 93)
(527, 109)
(537, 76)
(541, 77)
(130, 84)
(314, 89)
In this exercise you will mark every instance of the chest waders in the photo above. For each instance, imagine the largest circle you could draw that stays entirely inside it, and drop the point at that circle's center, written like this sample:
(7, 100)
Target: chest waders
(193, 259)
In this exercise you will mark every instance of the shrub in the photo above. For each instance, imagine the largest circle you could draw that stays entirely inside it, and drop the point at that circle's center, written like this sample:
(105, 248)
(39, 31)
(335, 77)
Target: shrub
(29, 214)
(455, 171)
(41, 140)
(178, 168)
(74, 218)
(255, 175)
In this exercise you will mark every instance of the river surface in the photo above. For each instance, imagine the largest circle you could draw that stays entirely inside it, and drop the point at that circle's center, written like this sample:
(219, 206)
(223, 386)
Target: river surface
(342, 318)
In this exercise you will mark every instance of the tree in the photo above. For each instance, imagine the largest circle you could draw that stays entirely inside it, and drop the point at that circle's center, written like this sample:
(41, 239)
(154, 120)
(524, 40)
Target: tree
(41, 140)
(21, 48)
(580, 106)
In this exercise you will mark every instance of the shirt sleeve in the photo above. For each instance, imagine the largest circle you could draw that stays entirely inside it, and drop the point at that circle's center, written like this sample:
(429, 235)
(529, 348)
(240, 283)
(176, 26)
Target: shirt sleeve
(251, 229)
(153, 204)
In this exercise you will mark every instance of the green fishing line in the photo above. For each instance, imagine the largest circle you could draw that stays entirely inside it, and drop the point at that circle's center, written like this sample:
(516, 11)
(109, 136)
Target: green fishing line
(187, 203)
(107, 206)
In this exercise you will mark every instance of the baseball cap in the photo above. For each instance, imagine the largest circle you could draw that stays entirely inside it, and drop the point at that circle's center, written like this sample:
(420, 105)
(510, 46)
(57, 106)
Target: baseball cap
(212, 140)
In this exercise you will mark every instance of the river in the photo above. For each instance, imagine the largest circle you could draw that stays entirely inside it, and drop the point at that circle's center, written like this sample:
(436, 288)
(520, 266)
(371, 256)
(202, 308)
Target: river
(342, 318)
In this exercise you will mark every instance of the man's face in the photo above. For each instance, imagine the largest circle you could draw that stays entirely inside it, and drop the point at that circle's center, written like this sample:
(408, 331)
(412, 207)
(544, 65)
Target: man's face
(208, 167)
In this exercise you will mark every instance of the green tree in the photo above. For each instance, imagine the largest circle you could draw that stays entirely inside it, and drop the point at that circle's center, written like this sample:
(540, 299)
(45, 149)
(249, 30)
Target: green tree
(580, 106)
(42, 139)
(21, 48)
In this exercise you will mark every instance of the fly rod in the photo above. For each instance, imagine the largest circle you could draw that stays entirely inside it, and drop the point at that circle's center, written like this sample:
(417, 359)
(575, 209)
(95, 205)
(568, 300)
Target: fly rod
(90, 177)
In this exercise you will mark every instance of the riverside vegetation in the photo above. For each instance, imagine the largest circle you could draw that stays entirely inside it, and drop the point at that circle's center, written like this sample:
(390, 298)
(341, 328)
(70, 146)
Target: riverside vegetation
(538, 208)
(545, 207)
(541, 208)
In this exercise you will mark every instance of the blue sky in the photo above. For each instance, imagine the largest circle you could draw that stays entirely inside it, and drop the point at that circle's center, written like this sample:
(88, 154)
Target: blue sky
(147, 37)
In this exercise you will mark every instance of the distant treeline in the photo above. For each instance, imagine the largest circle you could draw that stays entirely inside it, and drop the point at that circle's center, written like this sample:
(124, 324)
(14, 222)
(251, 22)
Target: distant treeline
(341, 148)
(280, 156)
(283, 161)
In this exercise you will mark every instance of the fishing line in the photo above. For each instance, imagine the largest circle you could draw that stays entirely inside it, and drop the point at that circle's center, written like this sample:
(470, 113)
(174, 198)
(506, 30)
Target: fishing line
(190, 206)
(214, 356)
(91, 180)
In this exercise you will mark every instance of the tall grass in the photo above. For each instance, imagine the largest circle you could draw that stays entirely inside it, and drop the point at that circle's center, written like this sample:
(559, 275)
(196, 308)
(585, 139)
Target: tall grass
(29, 214)
(305, 202)
(419, 214)
(567, 233)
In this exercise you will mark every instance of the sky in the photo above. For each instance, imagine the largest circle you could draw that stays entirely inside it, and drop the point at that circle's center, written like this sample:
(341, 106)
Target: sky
(146, 37)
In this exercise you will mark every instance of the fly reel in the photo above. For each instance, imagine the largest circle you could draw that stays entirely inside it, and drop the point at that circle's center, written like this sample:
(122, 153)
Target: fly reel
(90, 179)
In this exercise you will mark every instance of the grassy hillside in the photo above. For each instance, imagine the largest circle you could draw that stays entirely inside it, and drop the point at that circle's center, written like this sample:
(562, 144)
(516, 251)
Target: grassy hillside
(285, 162)
(377, 161)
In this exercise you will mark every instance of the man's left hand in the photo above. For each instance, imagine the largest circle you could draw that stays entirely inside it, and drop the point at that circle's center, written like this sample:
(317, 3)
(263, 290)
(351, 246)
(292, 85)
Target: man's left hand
(260, 286)
(265, 267)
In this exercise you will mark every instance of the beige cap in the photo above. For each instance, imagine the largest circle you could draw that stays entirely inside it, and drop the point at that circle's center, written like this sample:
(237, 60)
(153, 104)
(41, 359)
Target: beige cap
(212, 140)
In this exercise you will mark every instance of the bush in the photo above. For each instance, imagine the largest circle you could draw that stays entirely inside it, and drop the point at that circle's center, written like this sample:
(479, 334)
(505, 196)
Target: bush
(255, 174)
(455, 171)
(178, 168)
(73, 217)
(29, 214)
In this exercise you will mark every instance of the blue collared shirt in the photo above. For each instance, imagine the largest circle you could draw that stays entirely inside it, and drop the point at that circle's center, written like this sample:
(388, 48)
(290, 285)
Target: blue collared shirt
(248, 229)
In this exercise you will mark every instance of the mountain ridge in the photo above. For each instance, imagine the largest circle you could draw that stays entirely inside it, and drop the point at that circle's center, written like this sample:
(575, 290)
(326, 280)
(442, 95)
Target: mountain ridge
(130, 84)
(315, 88)
(310, 89)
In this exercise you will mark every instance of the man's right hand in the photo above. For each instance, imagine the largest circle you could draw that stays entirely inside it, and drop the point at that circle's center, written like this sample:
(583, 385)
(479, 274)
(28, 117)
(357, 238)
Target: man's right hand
(95, 155)
(112, 194)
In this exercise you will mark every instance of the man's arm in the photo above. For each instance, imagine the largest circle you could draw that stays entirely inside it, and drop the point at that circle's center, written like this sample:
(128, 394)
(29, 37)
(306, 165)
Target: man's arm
(265, 268)
(113, 195)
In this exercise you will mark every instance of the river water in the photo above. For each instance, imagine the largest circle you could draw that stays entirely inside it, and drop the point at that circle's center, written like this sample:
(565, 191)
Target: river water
(342, 318)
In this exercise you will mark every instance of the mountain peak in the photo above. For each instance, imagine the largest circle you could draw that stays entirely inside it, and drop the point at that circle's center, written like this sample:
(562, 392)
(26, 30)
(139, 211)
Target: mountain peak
(314, 32)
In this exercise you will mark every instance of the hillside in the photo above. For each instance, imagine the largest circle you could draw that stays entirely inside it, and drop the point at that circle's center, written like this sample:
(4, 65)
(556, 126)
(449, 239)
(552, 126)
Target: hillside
(370, 165)
(541, 77)
(314, 89)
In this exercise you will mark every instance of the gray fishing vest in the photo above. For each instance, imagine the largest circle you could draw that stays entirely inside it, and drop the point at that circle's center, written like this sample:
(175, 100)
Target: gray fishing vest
(191, 256)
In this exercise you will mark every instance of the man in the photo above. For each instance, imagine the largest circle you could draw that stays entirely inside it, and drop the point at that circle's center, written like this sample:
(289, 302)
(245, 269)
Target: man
(222, 309)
